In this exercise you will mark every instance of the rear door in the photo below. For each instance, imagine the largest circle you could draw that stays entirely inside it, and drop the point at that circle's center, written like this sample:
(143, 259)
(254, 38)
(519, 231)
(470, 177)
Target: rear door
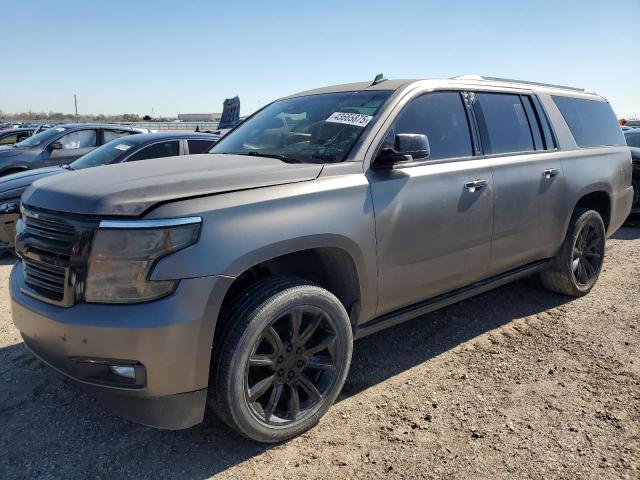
(529, 204)
(433, 219)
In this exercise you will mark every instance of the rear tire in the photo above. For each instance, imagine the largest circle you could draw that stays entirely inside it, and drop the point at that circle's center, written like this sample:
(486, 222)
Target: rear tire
(281, 359)
(576, 267)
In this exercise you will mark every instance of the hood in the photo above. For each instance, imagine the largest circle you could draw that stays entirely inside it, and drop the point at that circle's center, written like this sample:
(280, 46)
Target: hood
(129, 189)
(15, 184)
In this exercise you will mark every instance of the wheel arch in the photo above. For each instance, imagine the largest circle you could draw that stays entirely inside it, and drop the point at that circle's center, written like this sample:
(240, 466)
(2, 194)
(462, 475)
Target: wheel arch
(336, 265)
(598, 199)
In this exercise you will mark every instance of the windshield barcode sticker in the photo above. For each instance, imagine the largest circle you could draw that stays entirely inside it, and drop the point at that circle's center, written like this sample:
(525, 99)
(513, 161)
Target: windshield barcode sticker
(350, 119)
(123, 146)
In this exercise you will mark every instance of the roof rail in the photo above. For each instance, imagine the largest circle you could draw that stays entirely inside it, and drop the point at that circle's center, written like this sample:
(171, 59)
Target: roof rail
(509, 80)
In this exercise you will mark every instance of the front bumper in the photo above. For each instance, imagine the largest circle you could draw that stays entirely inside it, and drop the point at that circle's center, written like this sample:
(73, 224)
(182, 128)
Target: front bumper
(169, 341)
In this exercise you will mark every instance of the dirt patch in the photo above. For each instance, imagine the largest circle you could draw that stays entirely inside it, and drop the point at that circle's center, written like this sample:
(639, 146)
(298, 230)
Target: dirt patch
(515, 383)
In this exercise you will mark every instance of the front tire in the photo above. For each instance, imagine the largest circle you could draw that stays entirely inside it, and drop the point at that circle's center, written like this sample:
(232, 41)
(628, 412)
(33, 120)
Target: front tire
(576, 267)
(281, 359)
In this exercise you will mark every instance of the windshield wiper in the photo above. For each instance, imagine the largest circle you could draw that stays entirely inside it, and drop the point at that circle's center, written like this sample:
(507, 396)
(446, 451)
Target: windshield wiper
(269, 155)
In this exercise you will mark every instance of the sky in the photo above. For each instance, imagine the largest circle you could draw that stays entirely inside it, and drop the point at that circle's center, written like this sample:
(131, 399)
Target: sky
(171, 57)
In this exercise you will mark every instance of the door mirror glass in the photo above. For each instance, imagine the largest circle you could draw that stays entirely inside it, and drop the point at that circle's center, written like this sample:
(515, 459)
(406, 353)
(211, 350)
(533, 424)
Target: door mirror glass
(408, 147)
(56, 146)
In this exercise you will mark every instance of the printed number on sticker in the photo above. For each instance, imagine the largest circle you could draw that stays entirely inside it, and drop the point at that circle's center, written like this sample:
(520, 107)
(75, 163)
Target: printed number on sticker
(350, 119)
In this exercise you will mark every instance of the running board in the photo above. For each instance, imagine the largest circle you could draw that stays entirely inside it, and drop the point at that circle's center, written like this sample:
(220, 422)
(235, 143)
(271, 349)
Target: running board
(445, 299)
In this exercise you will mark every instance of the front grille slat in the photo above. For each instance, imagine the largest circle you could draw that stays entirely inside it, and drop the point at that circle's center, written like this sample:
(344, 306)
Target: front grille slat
(46, 230)
(34, 271)
(54, 249)
(46, 262)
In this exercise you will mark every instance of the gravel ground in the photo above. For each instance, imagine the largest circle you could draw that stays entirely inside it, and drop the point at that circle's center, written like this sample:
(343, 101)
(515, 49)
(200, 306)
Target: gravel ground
(517, 383)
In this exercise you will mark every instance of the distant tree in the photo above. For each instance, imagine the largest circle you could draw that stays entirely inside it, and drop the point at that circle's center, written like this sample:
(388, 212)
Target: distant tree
(130, 117)
(146, 118)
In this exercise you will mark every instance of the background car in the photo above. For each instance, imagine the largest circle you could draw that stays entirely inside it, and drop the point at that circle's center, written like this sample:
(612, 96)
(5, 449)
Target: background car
(15, 135)
(59, 145)
(632, 136)
(126, 149)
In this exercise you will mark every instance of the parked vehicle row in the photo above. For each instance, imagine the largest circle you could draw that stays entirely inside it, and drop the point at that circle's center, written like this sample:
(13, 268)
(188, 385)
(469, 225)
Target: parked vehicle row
(11, 136)
(128, 148)
(239, 279)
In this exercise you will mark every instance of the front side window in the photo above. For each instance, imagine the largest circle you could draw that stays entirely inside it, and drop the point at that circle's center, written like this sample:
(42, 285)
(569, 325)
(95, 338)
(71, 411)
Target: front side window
(311, 129)
(592, 122)
(9, 139)
(503, 123)
(157, 150)
(79, 139)
(442, 118)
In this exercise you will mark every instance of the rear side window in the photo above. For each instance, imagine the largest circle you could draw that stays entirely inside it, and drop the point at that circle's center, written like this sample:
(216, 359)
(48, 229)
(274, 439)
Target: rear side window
(442, 117)
(592, 122)
(113, 134)
(199, 146)
(503, 123)
(158, 150)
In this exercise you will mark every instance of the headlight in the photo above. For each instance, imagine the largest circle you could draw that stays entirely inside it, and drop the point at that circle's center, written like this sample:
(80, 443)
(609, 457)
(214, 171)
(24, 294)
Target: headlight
(124, 253)
(11, 205)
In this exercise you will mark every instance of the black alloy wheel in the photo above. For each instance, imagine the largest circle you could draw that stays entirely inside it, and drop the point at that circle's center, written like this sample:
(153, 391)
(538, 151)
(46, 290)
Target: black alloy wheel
(588, 251)
(280, 358)
(292, 366)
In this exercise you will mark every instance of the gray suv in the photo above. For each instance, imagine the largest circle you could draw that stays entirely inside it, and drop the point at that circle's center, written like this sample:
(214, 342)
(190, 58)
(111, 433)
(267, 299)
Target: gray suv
(240, 279)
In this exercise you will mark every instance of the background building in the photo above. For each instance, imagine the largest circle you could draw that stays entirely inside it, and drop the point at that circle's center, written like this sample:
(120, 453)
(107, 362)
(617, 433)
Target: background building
(199, 117)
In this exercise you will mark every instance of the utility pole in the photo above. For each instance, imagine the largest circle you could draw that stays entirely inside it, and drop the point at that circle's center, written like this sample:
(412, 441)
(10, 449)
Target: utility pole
(75, 102)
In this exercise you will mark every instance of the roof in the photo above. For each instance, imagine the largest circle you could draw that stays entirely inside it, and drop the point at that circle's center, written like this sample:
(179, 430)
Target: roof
(16, 130)
(94, 124)
(350, 87)
(140, 138)
(463, 81)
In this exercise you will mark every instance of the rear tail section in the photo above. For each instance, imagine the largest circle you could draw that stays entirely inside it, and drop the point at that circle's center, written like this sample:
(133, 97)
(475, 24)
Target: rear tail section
(230, 113)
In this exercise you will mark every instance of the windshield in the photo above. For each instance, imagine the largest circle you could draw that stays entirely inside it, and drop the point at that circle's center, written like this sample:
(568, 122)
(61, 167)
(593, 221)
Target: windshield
(311, 129)
(108, 153)
(40, 138)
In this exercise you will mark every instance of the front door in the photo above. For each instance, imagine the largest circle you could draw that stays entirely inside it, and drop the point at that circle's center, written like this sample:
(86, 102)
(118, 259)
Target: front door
(73, 145)
(433, 220)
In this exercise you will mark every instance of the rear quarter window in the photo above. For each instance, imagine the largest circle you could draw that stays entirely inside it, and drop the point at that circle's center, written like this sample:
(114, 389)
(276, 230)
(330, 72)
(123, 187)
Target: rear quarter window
(592, 122)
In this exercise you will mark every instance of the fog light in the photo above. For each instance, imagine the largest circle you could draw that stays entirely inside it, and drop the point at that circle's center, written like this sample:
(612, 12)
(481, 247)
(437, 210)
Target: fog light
(128, 372)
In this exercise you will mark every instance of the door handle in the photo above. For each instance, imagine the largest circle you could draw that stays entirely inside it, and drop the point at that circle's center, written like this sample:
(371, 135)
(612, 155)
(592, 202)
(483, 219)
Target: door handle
(550, 172)
(475, 185)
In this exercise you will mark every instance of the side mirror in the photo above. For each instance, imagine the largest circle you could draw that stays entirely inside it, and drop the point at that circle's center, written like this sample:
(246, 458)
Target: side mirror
(55, 146)
(408, 147)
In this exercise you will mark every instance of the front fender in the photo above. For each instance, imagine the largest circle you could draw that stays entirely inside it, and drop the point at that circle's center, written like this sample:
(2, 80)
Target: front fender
(242, 229)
